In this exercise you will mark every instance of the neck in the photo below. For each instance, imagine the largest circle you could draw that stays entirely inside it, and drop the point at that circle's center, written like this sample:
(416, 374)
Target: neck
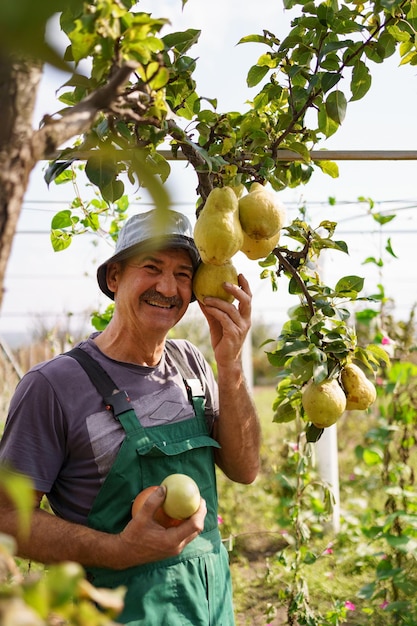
(121, 346)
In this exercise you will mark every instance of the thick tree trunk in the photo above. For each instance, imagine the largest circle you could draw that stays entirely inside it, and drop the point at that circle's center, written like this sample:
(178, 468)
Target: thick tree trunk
(21, 147)
(19, 83)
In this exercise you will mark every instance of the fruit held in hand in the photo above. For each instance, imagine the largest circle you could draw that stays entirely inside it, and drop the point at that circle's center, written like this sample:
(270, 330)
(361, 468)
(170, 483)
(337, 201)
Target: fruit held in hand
(182, 496)
(260, 213)
(217, 233)
(159, 516)
(323, 403)
(360, 391)
(208, 281)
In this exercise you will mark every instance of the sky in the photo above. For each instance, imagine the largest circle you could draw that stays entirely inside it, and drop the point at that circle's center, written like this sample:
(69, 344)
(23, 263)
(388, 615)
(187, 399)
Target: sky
(46, 287)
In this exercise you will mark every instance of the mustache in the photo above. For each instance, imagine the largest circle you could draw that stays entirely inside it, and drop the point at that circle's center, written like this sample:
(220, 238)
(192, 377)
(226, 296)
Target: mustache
(158, 298)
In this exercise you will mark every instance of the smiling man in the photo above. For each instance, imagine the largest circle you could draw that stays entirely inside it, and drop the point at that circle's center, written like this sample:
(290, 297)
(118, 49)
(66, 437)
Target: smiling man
(120, 412)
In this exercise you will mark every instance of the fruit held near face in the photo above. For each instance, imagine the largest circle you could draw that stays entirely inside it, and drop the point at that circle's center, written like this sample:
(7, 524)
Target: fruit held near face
(208, 281)
(182, 496)
(159, 516)
(217, 233)
(323, 403)
(260, 213)
(360, 392)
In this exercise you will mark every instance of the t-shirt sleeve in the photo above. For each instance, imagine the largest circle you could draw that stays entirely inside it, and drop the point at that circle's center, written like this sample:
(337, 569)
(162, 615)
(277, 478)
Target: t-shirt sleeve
(33, 442)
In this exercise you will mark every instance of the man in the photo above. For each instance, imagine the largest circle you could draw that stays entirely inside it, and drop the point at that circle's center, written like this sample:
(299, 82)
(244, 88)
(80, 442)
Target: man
(91, 451)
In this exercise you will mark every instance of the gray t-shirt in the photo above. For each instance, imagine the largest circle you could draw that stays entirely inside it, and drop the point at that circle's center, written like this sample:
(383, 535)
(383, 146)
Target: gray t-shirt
(59, 433)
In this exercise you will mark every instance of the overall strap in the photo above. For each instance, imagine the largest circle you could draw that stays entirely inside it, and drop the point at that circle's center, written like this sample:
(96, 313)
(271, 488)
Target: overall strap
(113, 397)
(117, 399)
(192, 384)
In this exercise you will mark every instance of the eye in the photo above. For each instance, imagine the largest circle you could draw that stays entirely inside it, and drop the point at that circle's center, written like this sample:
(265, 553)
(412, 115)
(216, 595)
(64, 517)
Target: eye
(185, 275)
(150, 267)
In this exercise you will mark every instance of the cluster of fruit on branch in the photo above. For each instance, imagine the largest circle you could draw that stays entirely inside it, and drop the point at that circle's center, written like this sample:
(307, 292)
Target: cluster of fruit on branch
(232, 220)
(229, 222)
(325, 402)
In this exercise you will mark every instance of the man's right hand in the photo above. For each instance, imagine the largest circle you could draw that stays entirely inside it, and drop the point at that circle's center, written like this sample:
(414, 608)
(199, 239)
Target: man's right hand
(143, 540)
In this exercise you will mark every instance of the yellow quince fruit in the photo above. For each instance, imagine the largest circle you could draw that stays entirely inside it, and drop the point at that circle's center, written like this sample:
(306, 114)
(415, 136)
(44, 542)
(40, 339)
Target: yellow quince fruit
(208, 281)
(258, 248)
(323, 403)
(218, 234)
(360, 391)
(261, 214)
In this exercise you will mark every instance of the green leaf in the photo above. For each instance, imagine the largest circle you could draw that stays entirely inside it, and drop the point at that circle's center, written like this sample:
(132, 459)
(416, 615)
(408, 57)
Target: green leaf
(22, 30)
(20, 490)
(182, 41)
(63, 219)
(326, 124)
(56, 169)
(336, 106)
(256, 74)
(402, 543)
(372, 456)
(386, 45)
(361, 81)
(113, 191)
(255, 39)
(348, 284)
(284, 413)
(60, 240)
(379, 352)
(160, 79)
(300, 148)
(367, 591)
(100, 171)
(329, 80)
(389, 249)
(313, 433)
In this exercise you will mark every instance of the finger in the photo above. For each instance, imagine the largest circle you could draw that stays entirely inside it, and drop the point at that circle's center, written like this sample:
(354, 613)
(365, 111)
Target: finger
(191, 527)
(154, 501)
(244, 284)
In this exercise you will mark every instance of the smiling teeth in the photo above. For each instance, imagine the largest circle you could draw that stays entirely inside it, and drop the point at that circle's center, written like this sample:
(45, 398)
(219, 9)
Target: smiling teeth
(159, 304)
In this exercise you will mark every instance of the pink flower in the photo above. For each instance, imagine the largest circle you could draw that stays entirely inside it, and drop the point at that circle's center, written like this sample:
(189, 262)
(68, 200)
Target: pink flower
(350, 606)
(219, 519)
(384, 605)
(385, 341)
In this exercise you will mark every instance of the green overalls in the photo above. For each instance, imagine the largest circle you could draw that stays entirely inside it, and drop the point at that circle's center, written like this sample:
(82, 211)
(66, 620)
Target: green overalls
(193, 588)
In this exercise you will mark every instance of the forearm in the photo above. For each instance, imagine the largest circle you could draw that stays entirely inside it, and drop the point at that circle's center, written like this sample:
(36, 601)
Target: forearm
(237, 428)
(52, 540)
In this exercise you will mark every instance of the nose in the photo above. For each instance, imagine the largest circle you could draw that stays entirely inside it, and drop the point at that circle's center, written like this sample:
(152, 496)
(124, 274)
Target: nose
(167, 284)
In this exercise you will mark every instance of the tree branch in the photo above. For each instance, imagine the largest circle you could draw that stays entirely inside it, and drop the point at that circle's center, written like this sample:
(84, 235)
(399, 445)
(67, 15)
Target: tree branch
(279, 253)
(79, 118)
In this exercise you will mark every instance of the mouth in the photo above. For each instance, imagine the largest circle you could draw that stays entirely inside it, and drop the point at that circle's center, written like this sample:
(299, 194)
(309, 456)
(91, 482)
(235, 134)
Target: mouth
(160, 305)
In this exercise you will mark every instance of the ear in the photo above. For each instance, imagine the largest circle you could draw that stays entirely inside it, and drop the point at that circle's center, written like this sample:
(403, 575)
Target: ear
(112, 274)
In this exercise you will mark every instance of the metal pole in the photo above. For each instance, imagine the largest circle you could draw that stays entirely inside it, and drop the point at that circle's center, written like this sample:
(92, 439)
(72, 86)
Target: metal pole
(327, 460)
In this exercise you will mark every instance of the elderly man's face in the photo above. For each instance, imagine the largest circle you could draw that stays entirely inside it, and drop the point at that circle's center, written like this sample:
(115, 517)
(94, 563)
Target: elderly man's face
(153, 288)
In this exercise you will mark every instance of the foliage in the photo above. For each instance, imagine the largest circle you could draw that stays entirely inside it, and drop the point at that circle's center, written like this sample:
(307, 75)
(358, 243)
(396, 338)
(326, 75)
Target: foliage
(319, 337)
(305, 84)
(58, 595)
